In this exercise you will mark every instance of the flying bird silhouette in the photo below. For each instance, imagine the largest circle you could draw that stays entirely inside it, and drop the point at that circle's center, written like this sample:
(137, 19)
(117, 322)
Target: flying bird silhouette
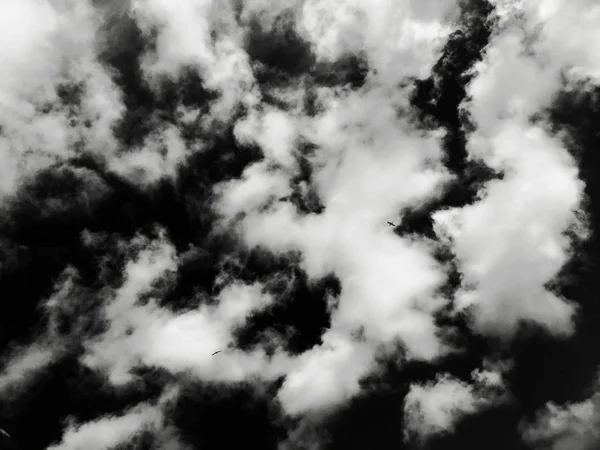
(4, 433)
(391, 224)
(218, 351)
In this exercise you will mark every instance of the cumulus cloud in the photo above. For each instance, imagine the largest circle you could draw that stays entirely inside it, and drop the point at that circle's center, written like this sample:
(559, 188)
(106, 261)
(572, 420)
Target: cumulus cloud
(387, 32)
(111, 431)
(204, 35)
(55, 94)
(359, 151)
(369, 166)
(435, 408)
(58, 100)
(338, 365)
(507, 264)
(558, 427)
(139, 332)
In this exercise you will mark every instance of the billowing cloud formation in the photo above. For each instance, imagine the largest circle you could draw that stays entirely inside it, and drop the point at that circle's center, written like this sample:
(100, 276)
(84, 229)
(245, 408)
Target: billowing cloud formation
(125, 429)
(139, 332)
(436, 407)
(507, 263)
(574, 426)
(55, 92)
(197, 171)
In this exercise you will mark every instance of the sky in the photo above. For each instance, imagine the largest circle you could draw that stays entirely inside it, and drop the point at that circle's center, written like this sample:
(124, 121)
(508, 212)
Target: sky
(381, 214)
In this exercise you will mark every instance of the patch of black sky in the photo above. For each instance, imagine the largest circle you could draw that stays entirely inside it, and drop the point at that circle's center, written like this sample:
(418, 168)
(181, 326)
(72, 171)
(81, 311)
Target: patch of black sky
(299, 316)
(496, 428)
(41, 227)
(22, 287)
(128, 210)
(226, 416)
(223, 159)
(187, 90)
(9, 442)
(70, 99)
(191, 284)
(350, 70)
(459, 192)
(50, 212)
(564, 370)
(374, 419)
(455, 326)
(65, 390)
(182, 207)
(304, 195)
(203, 271)
(438, 100)
(53, 206)
(123, 51)
(378, 411)
(74, 313)
(278, 53)
(439, 96)
(282, 58)
(93, 397)
(369, 421)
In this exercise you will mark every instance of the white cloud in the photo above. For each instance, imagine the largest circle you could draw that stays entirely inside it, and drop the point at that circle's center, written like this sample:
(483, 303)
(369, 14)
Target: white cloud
(50, 44)
(146, 334)
(436, 407)
(159, 157)
(275, 131)
(570, 426)
(46, 44)
(187, 341)
(510, 84)
(110, 431)
(326, 375)
(566, 30)
(184, 39)
(388, 32)
(25, 364)
(369, 165)
(511, 242)
(256, 187)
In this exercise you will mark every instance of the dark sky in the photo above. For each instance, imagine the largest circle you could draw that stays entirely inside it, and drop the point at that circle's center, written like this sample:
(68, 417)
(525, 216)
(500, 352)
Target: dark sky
(184, 177)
